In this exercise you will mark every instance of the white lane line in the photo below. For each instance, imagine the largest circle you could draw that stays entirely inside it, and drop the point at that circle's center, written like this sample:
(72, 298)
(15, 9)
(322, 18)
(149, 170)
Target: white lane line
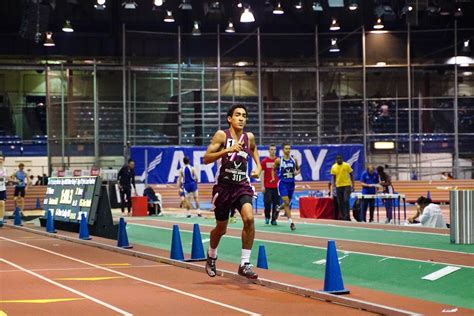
(114, 308)
(440, 273)
(138, 279)
(342, 239)
(316, 247)
(312, 224)
(75, 269)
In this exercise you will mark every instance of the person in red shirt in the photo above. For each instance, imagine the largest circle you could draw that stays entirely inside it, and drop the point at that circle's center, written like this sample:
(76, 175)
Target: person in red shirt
(269, 186)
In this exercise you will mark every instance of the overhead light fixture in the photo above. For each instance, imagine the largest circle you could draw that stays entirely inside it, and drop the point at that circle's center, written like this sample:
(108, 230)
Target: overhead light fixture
(158, 3)
(384, 145)
(317, 7)
(353, 5)
(407, 9)
(169, 17)
(334, 48)
(241, 63)
(215, 5)
(460, 60)
(381, 64)
(48, 40)
(130, 5)
(378, 24)
(230, 28)
(196, 31)
(278, 9)
(299, 5)
(334, 25)
(458, 12)
(239, 4)
(247, 16)
(68, 27)
(465, 47)
(100, 5)
(445, 10)
(185, 5)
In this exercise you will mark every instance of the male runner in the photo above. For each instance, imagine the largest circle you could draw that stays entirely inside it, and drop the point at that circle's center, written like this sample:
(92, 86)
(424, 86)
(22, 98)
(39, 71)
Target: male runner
(233, 190)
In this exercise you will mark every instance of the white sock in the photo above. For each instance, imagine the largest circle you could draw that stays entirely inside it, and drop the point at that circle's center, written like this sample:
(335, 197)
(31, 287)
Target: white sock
(290, 221)
(245, 257)
(212, 252)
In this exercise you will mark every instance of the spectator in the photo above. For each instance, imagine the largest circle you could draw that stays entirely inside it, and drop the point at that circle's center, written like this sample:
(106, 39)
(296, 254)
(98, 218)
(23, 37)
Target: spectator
(387, 188)
(344, 180)
(39, 180)
(370, 182)
(430, 214)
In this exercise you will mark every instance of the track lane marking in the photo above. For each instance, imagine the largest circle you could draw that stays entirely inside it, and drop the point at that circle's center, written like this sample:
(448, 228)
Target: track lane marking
(67, 288)
(323, 248)
(241, 310)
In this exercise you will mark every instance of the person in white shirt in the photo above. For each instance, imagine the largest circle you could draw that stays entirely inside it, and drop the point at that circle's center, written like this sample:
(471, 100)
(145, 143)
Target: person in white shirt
(3, 189)
(429, 214)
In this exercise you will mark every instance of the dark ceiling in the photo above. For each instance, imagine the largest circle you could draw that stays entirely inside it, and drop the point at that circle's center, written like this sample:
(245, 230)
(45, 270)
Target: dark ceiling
(102, 28)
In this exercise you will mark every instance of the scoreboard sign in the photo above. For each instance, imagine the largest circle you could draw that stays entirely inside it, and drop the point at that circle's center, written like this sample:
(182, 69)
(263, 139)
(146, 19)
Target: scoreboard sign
(70, 197)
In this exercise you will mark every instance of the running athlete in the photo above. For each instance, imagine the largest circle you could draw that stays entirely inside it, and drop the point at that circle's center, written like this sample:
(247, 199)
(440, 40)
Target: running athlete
(3, 189)
(233, 190)
(287, 168)
(20, 177)
(188, 180)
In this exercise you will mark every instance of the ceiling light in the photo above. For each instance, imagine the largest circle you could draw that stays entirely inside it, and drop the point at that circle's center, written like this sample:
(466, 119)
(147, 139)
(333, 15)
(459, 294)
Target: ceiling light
(239, 4)
(334, 25)
(215, 5)
(278, 9)
(100, 5)
(130, 5)
(353, 5)
(465, 48)
(241, 63)
(458, 12)
(247, 16)
(196, 31)
(158, 3)
(230, 28)
(317, 6)
(460, 60)
(169, 17)
(299, 5)
(378, 24)
(48, 41)
(185, 5)
(68, 27)
(334, 48)
(381, 64)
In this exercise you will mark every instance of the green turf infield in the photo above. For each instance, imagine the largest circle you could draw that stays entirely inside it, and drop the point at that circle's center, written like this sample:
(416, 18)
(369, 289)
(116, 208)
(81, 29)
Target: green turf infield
(389, 237)
(397, 276)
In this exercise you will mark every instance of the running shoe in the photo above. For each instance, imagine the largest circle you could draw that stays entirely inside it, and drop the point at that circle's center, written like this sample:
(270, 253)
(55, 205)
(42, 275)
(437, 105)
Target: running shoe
(246, 271)
(232, 220)
(292, 226)
(267, 221)
(211, 266)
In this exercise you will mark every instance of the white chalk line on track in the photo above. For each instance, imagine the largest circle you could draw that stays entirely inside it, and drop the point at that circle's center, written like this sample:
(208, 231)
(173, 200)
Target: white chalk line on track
(75, 269)
(67, 288)
(138, 279)
(324, 248)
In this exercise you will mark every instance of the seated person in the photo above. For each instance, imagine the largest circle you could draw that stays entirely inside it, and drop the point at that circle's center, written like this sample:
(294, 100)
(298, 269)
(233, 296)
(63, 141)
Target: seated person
(154, 201)
(429, 214)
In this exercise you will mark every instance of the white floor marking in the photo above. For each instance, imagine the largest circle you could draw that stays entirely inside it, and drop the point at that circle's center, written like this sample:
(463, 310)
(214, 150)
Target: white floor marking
(440, 273)
(138, 279)
(95, 300)
(316, 247)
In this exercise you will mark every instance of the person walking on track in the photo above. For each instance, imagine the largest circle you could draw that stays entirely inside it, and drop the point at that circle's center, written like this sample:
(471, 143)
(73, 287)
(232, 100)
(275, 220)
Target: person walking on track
(234, 147)
(288, 168)
(188, 180)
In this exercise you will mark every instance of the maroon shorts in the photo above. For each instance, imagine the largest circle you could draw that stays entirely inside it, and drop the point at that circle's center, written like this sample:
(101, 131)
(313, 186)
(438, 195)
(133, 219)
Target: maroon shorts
(229, 196)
